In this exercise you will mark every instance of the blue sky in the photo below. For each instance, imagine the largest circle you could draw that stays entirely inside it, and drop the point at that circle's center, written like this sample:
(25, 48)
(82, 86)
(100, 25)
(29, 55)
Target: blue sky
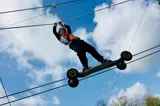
(17, 75)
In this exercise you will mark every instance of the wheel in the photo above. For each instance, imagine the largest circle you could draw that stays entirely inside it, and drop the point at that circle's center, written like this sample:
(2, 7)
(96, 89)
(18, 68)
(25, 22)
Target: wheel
(73, 82)
(125, 55)
(121, 65)
(72, 73)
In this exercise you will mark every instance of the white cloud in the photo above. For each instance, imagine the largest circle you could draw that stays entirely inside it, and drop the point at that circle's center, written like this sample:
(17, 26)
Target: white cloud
(114, 31)
(55, 73)
(82, 33)
(157, 95)
(2, 93)
(33, 101)
(116, 28)
(137, 91)
(56, 101)
(158, 74)
(39, 42)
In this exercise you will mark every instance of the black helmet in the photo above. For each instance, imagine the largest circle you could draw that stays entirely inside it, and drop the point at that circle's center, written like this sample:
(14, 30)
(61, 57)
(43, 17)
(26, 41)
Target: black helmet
(61, 29)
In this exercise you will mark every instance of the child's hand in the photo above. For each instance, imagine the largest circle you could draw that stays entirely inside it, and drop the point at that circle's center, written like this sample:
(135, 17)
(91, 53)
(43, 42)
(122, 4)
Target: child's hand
(55, 24)
(60, 23)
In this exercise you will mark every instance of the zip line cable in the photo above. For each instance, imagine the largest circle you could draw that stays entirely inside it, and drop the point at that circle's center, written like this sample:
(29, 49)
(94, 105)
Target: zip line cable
(146, 50)
(35, 94)
(39, 7)
(5, 91)
(138, 27)
(126, 63)
(66, 19)
(86, 77)
(29, 19)
(34, 88)
(97, 10)
(129, 49)
(67, 78)
(80, 79)
(25, 20)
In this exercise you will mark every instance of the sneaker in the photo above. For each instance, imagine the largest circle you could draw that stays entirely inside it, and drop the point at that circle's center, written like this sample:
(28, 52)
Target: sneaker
(106, 61)
(86, 68)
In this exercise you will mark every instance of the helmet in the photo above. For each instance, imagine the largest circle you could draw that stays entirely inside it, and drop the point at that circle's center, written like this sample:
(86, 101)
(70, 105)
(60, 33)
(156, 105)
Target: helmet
(61, 29)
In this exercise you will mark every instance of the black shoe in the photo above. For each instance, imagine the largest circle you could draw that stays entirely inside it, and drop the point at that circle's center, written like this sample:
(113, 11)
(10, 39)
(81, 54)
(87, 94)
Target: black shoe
(86, 68)
(106, 61)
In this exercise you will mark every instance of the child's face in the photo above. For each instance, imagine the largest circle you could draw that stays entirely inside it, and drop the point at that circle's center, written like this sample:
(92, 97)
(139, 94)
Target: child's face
(62, 32)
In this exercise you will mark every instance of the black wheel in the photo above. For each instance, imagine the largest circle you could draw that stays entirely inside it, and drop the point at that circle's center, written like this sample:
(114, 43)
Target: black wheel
(121, 65)
(72, 73)
(126, 55)
(73, 82)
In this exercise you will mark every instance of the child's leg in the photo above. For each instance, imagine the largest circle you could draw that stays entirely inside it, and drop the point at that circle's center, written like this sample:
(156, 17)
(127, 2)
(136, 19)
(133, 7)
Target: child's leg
(83, 59)
(90, 49)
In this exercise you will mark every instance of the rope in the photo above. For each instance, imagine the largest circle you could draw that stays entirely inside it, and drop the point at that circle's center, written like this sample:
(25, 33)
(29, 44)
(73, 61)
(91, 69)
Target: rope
(34, 94)
(38, 7)
(146, 50)
(66, 19)
(5, 91)
(80, 79)
(96, 10)
(25, 19)
(138, 27)
(33, 88)
(129, 49)
(67, 78)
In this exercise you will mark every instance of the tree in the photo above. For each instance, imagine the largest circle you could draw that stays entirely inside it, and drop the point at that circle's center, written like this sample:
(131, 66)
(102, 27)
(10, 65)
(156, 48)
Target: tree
(125, 101)
(101, 103)
(152, 101)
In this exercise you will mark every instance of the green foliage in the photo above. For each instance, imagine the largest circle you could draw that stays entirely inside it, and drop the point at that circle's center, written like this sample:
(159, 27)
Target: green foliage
(125, 101)
(152, 101)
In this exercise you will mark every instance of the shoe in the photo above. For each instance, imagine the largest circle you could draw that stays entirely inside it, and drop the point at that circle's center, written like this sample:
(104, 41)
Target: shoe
(86, 68)
(106, 61)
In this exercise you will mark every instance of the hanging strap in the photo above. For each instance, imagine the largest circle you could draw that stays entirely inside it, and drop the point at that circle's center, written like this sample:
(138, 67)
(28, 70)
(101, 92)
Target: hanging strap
(54, 6)
(70, 37)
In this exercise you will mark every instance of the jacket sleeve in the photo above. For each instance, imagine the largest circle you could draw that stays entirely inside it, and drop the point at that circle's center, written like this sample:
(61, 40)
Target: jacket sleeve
(55, 33)
(68, 28)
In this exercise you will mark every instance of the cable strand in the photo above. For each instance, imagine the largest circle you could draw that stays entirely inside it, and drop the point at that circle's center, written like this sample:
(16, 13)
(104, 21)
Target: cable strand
(129, 49)
(138, 27)
(38, 7)
(33, 88)
(146, 50)
(80, 80)
(35, 94)
(64, 20)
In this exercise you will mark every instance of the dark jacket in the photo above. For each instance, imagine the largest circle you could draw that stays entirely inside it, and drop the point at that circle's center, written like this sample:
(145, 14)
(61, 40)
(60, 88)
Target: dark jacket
(74, 44)
(57, 34)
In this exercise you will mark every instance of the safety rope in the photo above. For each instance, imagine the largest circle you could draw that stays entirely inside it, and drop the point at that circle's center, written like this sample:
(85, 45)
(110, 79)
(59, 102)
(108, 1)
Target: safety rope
(39, 7)
(118, 74)
(81, 79)
(66, 19)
